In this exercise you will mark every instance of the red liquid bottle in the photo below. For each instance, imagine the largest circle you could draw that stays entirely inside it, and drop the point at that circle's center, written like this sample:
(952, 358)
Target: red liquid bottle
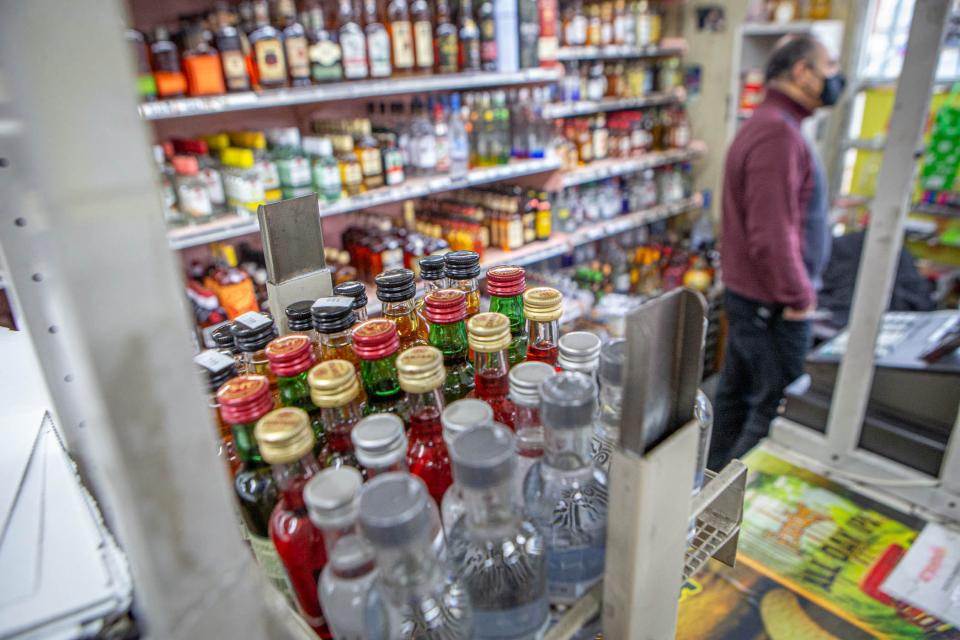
(335, 389)
(422, 377)
(542, 307)
(490, 338)
(286, 442)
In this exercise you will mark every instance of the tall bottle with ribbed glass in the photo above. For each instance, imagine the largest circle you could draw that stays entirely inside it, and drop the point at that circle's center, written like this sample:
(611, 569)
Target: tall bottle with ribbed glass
(525, 380)
(565, 492)
(606, 433)
(497, 553)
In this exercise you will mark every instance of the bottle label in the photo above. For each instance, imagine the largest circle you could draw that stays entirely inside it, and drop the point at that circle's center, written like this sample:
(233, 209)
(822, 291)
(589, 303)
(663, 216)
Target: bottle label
(268, 174)
(294, 172)
(402, 45)
(297, 59)
(393, 162)
(378, 50)
(352, 174)
(514, 234)
(515, 622)
(270, 61)
(194, 200)
(423, 41)
(212, 178)
(354, 55)
(425, 153)
(442, 147)
(370, 161)
(544, 224)
(243, 191)
(325, 61)
(571, 572)
(488, 40)
(547, 48)
(266, 556)
(447, 50)
(235, 70)
(328, 182)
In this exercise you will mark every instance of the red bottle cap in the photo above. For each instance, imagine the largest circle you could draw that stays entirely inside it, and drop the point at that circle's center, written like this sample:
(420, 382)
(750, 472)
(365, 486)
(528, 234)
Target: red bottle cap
(190, 146)
(506, 281)
(244, 399)
(375, 339)
(290, 355)
(445, 306)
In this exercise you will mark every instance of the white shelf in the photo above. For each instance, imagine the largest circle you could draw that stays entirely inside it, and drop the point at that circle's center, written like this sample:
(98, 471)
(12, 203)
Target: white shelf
(184, 107)
(234, 226)
(602, 169)
(586, 107)
(615, 52)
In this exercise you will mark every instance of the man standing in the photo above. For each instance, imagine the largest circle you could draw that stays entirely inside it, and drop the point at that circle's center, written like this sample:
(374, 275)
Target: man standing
(774, 244)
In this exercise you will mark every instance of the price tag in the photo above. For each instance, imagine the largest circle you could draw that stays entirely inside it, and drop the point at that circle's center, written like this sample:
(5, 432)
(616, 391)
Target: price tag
(213, 361)
(253, 320)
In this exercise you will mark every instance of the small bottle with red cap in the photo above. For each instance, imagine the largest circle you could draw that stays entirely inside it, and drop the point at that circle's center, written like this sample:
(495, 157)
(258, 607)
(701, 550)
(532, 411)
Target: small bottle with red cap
(376, 344)
(506, 285)
(193, 199)
(291, 358)
(446, 311)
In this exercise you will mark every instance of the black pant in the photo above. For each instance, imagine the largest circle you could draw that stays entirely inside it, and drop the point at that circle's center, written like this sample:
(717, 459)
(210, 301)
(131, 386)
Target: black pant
(764, 354)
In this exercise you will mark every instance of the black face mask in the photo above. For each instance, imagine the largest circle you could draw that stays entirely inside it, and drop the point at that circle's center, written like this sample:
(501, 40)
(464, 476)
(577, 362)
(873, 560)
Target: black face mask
(832, 89)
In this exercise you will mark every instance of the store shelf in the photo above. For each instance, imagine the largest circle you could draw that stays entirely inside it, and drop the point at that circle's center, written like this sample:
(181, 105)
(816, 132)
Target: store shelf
(184, 107)
(586, 107)
(777, 28)
(602, 169)
(234, 226)
(615, 52)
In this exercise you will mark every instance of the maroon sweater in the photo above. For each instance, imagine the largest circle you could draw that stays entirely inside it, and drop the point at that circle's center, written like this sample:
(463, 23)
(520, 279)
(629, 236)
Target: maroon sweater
(767, 185)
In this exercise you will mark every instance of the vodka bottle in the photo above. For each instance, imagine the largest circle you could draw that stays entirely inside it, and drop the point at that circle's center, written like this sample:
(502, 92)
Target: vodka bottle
(565, 492)
(496, 552)
(606, 433)
(580, 352)
(459, 140)
(332, 498)
(380, 444)
(457, 418)
(415, 595)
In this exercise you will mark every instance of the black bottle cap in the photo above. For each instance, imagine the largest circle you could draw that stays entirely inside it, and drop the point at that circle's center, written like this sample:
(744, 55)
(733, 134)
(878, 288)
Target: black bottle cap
(352, 289)
(298, 315)
(223, 338)
(432, 267)
(334, 314)
(396, 285)
(252, 331)
(462, 265)
(217, 378)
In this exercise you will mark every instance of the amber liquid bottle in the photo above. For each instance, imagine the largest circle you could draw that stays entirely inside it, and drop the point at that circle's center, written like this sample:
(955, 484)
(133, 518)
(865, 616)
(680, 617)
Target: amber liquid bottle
(333, 319)
(230, 45)
(401, 37)
(266, 43)
(446, 40)
(463, 272)
(378, 40)
(396, 289)
(166, 65)
(295, 46)
(420, 16)
(469, 36)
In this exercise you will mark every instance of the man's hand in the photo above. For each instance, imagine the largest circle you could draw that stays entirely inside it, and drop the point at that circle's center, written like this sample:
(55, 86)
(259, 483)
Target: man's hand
(789, 313)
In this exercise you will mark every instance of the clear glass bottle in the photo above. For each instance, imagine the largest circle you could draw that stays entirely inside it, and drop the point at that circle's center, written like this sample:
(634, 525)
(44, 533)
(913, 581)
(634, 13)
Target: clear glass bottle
(505, 285)
(445, 311)
(488, 335)
(432, 276)
(415, 595)
(353, 42)
(378, 40)
(333, 319)
(525, 379)
(463, 272)
(421, 378)
(459, 140)
(252, 332)
(498, 554)
(193, 198)
(565, 492)
(579, 351)
(355, 290)
(542, 307)
(376, 343)
(458, 417)
(335, 391)
(440, 134)
(422, 141)
(606, 432)
(380, 444)
(333, 502)
(396, 289)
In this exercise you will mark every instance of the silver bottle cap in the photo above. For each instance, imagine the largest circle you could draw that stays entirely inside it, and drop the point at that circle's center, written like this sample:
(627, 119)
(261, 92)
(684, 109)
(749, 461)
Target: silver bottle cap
(395, 509)
(379, 441)
(579, 351)
(568, 400)
(462, 415)
(525, 379)
(483, 456)
(331, 496)
(613, 355)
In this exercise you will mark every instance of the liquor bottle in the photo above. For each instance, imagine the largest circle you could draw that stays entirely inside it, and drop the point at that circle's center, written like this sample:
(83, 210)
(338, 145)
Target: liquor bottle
(333, 502)
(293, 168)
(579, 351)
(565, 492)
(216, 369)
(323, 48)
(422, 19)
(380, 444)
(396, 289)
(544, 218)
(529, 32)
(295, 47)
(165, 58)
(422, 140)
(469, 38)
(291, 358)
(525, 379)
(497, 553)
(146, 83)
(445, 311)
(446, 40)
(458, 417)
(547, 42)
(489, 339)
(325, 169)
(355, 290)
(378, 40)
(243, 401)
(488, 35)
(335, 390)
(223, 342)
(440, 136)
(401, 36)
(252, 332)
(543, 306)
(201, 64)
(351, 171)
(230, 45)
(286, 442)
(369, 155)
(459, 140)
(333, 319)
(266, 42)
(463, 271)
(353, 43)
(505, 285)
(376, 343)
(241, 181)
(265, 164)
(300, 322)
(397, 517)
(421, 378)
(193, 199)
(606, 432)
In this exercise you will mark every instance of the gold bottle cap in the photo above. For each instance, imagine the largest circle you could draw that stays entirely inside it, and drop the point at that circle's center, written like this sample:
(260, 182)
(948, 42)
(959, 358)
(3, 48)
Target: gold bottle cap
(284, 435)
(489, 332)
(420, 369)
(542, 304)
(333, 383)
